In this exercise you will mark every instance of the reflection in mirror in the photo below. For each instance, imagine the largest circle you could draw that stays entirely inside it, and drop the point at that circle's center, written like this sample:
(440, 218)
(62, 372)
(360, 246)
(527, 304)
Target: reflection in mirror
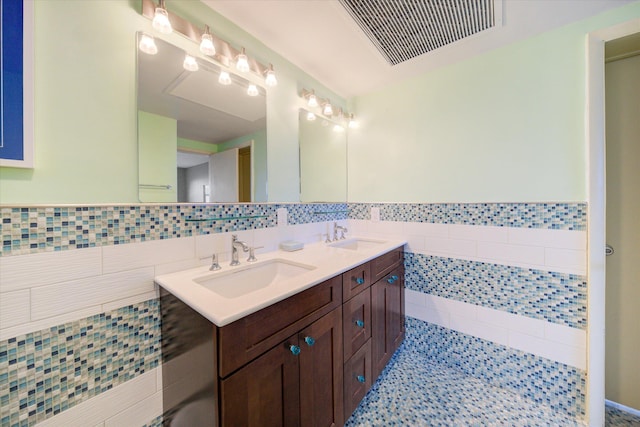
(198, 140)
(323, 159)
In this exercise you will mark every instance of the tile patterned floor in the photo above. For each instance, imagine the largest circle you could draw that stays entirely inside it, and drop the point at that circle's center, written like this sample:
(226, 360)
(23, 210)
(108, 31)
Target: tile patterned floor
(414, 392)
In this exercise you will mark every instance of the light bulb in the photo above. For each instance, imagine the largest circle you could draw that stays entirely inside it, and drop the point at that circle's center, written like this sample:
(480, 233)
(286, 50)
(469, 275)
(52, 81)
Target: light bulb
(310, 116)
(353, 124)
(327, 110)
(161, 21)
(242, 62)
(252, 90)
(190, 63)
(270, 79)
(148, 44)
(338, 128)
(313, 101)
(206, 43)
(224, 78)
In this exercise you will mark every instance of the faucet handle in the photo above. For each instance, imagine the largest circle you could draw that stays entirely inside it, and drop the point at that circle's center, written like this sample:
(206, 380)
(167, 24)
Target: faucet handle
(252, 255)
(214, 263)
(342, 231)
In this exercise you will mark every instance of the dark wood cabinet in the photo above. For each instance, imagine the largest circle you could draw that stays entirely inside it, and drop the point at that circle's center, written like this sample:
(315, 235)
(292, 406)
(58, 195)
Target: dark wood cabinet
(264, 392)
(321, 364)
(305, 361)
(373, 322)
(387, 317)
(357, 378)
(356, 324)
(297, 383)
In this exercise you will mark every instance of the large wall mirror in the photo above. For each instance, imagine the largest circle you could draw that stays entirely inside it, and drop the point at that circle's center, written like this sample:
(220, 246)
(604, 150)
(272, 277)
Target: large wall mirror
(198, 140)
(323, 159)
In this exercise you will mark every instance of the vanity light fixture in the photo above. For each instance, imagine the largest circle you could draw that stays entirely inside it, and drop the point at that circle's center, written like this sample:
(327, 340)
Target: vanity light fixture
(312, 101)
(161, 19)
(242, 62)
(311, 116)
(270, 78)
(353, 123)
(148, 44)
(224, 78)
(206, 42)
(252, 90)
(190, 63)
(221, 51)
(327, 109)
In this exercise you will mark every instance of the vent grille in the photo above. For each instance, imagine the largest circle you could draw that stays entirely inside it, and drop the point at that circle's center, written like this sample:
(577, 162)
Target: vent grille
(404, 29)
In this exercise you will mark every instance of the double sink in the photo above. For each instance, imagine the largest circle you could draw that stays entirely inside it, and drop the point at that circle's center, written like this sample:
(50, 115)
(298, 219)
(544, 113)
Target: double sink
(233, 292)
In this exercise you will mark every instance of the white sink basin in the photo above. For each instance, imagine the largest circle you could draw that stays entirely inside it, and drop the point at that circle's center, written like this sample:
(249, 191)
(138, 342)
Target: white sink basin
(250, 278)
(356, 244)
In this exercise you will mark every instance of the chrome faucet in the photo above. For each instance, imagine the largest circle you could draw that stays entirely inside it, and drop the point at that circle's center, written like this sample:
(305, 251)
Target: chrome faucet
(337, 227)
(235, 243)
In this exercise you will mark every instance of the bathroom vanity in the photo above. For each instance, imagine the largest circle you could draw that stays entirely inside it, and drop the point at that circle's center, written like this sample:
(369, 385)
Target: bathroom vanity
(307, 359)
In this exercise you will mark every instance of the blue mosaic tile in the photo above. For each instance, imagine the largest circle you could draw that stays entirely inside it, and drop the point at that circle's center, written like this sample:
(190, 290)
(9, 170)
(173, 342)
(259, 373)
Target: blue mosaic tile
(46, 372)
(156, 422)
(560, 387)
(415, 391)
(39, 229)
(615, 417)
(558, 216)
(555, 297)
(316, 212)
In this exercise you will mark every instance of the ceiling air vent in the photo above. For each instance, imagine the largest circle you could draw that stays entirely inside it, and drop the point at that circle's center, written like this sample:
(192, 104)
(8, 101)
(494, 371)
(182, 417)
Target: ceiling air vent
(404, 29)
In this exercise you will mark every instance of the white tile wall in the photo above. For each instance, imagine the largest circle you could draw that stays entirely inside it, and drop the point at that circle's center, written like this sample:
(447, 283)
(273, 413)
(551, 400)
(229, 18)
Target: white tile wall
(26, 271)
(562, 251)
(552, 341)
(122, 404)
(53, 300)
(14, 308)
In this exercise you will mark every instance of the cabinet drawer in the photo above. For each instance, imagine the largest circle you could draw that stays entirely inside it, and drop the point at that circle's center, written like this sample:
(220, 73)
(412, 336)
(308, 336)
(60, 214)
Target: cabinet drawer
(356, 322)
(355, 280)
(249, 337)
(357, 378)
(384, 263)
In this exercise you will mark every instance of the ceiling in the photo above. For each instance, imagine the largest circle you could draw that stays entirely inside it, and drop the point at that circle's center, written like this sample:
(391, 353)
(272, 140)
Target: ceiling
(321, 37)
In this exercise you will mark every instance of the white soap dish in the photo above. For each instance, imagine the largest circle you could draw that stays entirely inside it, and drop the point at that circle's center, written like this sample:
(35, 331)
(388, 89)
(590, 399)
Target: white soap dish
(291, 245)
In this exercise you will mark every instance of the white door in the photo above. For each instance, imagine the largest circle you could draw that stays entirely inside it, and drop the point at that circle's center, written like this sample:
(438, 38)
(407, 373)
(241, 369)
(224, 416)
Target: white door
(223, 172)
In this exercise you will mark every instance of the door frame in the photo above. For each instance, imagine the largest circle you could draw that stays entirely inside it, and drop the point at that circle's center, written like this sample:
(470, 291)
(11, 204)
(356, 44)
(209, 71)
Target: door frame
(596, 225)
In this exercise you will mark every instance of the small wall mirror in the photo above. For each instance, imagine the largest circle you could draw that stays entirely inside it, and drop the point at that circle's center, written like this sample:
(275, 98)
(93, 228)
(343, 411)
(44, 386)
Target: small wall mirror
(323, 159)
(198, 140)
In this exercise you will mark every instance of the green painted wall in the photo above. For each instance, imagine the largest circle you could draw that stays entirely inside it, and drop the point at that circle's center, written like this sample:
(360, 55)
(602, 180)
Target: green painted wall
(508, 126)
(158, 152)
(199, 146)
(85, 103)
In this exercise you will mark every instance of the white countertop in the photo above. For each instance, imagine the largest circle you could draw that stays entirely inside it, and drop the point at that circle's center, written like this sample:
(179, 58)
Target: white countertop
(328, 262)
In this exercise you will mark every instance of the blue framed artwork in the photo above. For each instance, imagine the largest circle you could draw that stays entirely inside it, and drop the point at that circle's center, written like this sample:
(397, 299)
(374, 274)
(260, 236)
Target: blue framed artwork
(16, 83)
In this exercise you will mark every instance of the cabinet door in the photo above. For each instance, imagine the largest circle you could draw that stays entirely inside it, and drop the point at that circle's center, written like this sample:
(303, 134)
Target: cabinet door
(321, 371)
(356, 322)
(265, 392)
(355, 280)
(387, 318)
(357, 378)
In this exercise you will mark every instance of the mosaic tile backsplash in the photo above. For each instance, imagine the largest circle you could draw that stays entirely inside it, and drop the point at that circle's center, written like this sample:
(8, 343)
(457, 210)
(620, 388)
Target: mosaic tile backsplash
(561, 387)
(46, 372)
(554, 297)
(39, 229)
(557, 216)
